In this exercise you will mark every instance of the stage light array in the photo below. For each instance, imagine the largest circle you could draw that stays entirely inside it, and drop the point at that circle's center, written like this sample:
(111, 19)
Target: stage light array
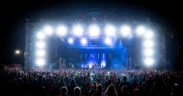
(109, 32)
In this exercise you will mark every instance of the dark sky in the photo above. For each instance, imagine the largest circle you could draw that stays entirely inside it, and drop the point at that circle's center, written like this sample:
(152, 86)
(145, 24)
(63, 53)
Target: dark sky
(167, 13)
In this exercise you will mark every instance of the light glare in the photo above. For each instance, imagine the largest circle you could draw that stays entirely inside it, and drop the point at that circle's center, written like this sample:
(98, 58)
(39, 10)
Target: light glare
(40, 44)
(110, 30)
(140, 30)
(48, 30)
(148, 52)
(78, 30)
(83, 41)
(148, 43)
(40, 35)
(149, 34)
(70, 40)
(40, 53)
(94, 31)
(108, 41)
(125, 31)
(103, 64)
(62, 31)
(40, 62)
(149, 62)
(17, 52)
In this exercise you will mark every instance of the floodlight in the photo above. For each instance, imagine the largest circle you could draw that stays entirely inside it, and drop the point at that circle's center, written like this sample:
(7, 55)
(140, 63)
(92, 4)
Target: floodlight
(62, 30)
(148, 52)
(149, 34)
(148, 43)
(40, 35)
(110, 30)
(94, 31)
(48, 30)
(70, 41)
(140, 30)
(40, 62)
(125, 31)
(83, 41)
(78, 30)
(40, 44)
(108, 41)
(40, 53)
(149, 62)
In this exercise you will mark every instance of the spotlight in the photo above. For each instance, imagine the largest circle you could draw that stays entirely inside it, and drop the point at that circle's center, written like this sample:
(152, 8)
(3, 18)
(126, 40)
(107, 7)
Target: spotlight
(17, 52)
(149, 34)
(148, 43)
(149, 62)
(83, 41)
(78, 30)
(48, 30)
(62, 31)
(125, 30)
(110, 30)
(40, 53)
(140, 30)
(148, 52)
(108, 41)
(40, 35)
(103, 64)
(70, 41)
(90, 65)
(40, 62)
(94, 31)
(40, 44)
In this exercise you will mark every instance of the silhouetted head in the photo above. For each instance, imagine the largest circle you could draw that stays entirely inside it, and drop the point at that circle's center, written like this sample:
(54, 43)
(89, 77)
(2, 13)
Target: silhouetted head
(124, 78)
(77, 91)
(100, 87)
(111, 90)
(63, 91)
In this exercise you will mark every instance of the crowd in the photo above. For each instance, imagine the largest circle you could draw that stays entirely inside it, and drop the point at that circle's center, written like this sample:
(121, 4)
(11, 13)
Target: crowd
(91, 83)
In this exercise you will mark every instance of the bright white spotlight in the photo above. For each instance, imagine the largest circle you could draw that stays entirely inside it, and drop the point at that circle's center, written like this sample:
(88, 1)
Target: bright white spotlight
(103, 64)
(148, 43)
(48, 30)
(140, 30)
(78, 30)
(40, 35)
(149, 34)
(90, 65)
(40, 44)
(94, 31)
(83, 41)
(149, 62)
(108, 41)
(125, 31)
(40, 62)
(17, 52)
(110, 30)
(40, 53)
(70, 41)
(148, 52)
(62, 30)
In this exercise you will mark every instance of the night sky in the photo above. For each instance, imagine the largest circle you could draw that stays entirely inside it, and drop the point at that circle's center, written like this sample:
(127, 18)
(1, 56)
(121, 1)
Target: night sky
(13, 14)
